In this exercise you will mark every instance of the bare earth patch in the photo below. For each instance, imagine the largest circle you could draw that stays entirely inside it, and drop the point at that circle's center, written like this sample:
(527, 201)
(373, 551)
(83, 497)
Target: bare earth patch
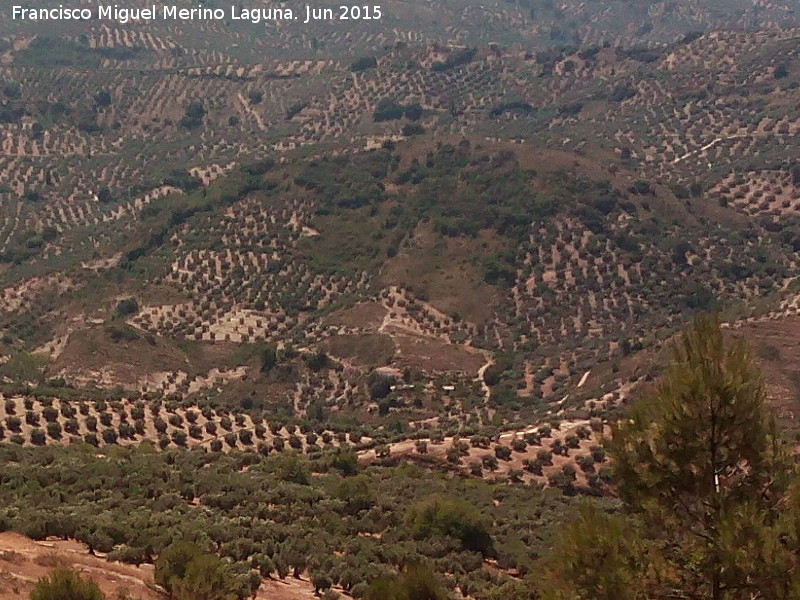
(437, 356)
(368, 349)
(367, 315)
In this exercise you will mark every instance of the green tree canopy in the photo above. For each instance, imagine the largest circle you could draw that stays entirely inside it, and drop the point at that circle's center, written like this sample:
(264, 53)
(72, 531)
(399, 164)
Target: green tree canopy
(206, 578)
(172, 563)
(454, 518)
(188, 574)
(269, 358)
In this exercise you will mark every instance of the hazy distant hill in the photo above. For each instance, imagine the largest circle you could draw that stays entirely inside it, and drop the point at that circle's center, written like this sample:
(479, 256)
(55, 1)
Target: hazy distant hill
(470, 22)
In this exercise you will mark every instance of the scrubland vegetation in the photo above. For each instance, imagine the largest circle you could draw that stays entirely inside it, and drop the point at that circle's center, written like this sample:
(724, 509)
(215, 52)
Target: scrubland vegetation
(706, 484)
(397, 326)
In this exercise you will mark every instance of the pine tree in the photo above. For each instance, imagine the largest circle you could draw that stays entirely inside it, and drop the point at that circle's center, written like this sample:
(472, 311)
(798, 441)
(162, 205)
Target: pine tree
(600, 557)
(703, 474)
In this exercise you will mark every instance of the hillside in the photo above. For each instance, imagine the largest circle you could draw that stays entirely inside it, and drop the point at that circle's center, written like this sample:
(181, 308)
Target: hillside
(477, 284)
(98, 150)
(23, 561)
(542, 23)
(289, 302)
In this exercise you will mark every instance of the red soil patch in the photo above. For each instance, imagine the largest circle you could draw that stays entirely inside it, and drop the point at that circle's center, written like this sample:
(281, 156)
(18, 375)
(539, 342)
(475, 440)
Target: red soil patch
(367, 315)
(434, 355)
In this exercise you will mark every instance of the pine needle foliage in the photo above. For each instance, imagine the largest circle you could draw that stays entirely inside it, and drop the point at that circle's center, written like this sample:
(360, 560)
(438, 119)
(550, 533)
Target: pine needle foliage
(710, 493)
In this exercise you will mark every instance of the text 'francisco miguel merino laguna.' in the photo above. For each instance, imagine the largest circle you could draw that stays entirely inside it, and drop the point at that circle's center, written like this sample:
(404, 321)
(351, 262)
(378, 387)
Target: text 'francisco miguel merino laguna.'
(124, 15)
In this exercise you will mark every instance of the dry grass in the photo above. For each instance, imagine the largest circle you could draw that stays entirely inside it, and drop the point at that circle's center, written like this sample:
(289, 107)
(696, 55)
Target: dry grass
(370, 350)
(440, 270)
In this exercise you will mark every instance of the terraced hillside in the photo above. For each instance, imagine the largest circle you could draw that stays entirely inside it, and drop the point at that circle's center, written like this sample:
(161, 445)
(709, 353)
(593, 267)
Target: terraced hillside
(289, 302)
(414, 291)
(467, 232)
(87, 148)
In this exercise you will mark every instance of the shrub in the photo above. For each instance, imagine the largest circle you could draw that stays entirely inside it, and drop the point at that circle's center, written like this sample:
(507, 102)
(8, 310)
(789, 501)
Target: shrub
(455, 59)
(14, 424)
(417, 582)
(38, 438)
(534, 466)
(127, 307)
(586, 463)
(453, 518)
(490, 462)
(413, 112)
(102, 98)
(193, 118)
(65, 584)
(205, 576)
(160, 425)
(387, 110)
(54, 430)
(321, 582)
(187, 574)
(598, 453)
(622, 93)
(109, 436)
(50, 414)
(412, 129)
(128, 554)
